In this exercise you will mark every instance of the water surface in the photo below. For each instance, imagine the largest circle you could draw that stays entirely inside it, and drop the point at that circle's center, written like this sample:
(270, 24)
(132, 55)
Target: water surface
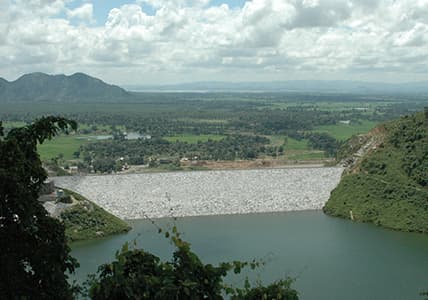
(330, 258)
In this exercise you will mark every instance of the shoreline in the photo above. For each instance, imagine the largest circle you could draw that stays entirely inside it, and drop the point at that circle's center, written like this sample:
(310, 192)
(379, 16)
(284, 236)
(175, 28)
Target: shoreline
(229, 214)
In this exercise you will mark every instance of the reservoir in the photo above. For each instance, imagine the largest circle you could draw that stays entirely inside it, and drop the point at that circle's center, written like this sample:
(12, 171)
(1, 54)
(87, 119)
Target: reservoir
(329, 258)
(272, 215)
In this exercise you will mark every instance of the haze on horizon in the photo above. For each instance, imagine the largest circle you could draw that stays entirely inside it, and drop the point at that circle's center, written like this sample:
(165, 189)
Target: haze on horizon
(173, 41)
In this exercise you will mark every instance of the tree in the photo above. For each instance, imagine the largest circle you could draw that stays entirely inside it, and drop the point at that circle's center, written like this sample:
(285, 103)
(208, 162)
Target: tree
(34, 255)
(104, 165)
(323, 141)
(136, 274)
(76, 154)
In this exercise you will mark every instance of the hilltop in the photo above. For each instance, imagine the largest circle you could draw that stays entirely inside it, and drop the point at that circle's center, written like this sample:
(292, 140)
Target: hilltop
(79, 87)
(386, 179)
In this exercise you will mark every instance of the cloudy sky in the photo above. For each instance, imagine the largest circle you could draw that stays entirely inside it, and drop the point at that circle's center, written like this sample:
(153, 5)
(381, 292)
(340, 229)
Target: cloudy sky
(171, 41)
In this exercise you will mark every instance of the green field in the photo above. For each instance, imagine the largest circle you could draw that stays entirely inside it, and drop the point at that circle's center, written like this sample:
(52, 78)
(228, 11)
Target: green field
(65, 144)
(293, 144)
(276, 140)
(307, 155)
(344, 131)
(364, 106)
(68, 144)
(193, 139)
(12, 124)
(194, 117)
(288, 142)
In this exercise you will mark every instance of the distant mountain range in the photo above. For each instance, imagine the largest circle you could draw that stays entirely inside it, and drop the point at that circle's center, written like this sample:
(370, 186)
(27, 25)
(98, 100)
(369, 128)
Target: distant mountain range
(298, 86)
(79, 87)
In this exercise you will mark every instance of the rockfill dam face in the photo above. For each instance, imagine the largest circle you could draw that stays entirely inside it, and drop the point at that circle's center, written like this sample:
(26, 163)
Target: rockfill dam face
(180, 194)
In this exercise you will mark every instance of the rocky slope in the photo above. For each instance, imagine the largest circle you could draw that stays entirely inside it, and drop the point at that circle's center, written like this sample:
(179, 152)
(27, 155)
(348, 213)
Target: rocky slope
(386, 177)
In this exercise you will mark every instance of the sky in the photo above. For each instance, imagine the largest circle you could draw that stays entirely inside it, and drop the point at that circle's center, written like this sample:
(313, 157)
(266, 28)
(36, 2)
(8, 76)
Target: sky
(146, 42)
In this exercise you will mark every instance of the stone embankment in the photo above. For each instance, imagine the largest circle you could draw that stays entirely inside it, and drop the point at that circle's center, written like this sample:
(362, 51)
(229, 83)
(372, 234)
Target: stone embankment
(180, 194)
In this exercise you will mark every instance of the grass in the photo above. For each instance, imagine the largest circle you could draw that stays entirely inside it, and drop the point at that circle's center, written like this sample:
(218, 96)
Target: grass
(65, 144)
(276, 140)
(307, 155)
(82, 223)
(296, 149)
(368, 107)
(13, 124)
(193, 139)
(293, 144)
(344, 131)
(288, 142)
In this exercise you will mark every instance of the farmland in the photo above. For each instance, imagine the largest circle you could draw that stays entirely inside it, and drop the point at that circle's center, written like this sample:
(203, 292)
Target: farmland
(276, 127)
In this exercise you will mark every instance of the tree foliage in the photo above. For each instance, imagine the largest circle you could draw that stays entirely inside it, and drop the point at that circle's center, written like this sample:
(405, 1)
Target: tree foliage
(137, 274)
(323, 141)
(34, 255)
(105, 153)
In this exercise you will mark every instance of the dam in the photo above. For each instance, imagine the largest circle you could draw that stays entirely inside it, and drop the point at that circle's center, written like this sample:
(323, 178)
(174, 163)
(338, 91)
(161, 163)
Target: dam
(200, 193)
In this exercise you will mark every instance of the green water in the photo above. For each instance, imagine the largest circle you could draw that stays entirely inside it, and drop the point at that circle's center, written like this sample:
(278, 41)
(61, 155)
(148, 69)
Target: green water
(330, 258)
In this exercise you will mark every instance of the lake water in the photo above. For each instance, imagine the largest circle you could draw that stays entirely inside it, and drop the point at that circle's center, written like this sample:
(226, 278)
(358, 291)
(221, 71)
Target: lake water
(330, 258)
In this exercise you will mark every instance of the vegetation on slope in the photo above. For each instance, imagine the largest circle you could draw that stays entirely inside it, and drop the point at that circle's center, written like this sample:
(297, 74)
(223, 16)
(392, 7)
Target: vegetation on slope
(40, 87)
(34, 255)
(388, 186)
(86, 220)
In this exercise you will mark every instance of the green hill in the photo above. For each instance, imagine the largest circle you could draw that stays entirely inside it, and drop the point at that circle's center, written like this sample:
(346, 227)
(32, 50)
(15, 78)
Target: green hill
(79, 87)
(386, 179)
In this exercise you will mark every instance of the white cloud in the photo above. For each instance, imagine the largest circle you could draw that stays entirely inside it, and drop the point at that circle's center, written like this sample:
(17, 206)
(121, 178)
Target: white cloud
(84, 12)
(190, 40)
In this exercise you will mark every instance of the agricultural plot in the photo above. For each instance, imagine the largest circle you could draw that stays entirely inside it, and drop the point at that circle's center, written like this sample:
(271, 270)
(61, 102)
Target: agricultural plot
(345, 131)
(65, 145)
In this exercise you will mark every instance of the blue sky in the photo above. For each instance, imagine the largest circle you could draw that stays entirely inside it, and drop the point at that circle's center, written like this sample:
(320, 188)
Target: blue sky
(103, 7)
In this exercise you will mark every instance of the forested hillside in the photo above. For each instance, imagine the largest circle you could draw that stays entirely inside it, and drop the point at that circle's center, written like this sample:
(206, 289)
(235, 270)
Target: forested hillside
(387, 180)
(79, 87)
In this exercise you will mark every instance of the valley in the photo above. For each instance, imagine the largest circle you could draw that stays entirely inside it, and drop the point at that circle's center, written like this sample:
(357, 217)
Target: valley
(242, 168)
(214, 149)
